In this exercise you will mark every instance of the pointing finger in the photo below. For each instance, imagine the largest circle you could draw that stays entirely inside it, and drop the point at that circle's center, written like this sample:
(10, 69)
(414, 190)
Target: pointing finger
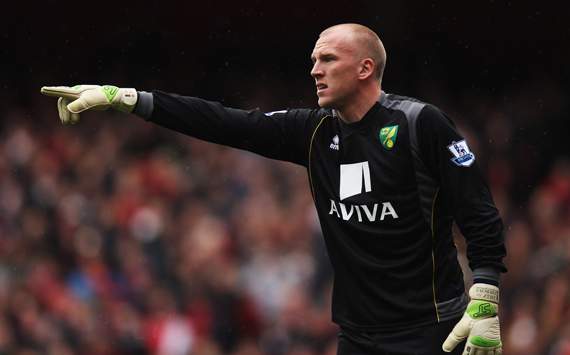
(61, 91)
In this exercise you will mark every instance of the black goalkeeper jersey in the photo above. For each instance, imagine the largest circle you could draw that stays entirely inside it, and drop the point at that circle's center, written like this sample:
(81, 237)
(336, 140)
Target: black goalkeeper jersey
(387, 189)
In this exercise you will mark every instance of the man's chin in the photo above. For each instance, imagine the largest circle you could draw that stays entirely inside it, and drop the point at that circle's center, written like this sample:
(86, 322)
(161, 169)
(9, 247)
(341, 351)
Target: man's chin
(325, 102)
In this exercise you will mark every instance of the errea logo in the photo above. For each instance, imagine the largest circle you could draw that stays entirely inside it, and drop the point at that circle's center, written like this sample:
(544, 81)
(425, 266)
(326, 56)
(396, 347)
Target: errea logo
(335, 141)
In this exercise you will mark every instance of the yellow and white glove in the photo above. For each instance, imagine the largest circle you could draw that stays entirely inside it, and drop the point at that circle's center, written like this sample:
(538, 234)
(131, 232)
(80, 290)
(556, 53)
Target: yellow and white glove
(480, 323)
(74, 100)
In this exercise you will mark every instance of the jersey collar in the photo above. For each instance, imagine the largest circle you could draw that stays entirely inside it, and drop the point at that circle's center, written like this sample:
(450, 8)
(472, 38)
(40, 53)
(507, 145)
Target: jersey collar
(365, 121)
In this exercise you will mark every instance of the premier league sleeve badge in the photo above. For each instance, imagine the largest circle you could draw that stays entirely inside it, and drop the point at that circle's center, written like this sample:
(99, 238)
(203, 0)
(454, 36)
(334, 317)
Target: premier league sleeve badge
(462, 156)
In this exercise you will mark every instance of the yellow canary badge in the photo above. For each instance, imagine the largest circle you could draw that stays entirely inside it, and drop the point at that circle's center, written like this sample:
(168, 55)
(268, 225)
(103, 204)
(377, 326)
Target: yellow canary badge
(388, 136)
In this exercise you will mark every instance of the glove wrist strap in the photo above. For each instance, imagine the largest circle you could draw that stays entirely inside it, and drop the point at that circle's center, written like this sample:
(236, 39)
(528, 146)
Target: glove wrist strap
(484, 292)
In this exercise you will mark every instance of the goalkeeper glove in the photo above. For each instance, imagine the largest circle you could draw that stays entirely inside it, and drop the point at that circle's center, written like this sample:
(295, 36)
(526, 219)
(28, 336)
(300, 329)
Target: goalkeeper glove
(480, 323)
(74, 100)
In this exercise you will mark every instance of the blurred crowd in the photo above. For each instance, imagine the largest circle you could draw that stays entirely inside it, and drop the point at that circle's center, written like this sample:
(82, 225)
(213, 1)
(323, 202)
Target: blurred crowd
(120, 237)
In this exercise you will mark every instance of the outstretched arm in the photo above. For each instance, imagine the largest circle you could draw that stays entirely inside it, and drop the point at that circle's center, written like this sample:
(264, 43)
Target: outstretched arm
(281, 135)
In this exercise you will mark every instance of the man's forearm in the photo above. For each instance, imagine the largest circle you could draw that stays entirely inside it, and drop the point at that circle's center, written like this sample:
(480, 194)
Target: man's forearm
(278, 135)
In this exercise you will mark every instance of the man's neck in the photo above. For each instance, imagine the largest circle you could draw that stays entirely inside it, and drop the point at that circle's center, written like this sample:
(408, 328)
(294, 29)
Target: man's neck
(360, 106)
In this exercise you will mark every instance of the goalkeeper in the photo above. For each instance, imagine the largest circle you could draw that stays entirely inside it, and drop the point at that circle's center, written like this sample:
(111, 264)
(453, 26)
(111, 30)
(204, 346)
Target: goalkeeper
(388, 175)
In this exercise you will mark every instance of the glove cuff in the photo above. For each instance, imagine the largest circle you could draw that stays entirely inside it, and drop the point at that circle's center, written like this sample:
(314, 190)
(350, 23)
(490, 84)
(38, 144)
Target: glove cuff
(127, 100)
(484, 292)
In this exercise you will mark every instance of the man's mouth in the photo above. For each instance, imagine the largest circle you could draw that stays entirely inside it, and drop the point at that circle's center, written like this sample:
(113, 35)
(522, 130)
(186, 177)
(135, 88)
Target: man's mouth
(321, 87)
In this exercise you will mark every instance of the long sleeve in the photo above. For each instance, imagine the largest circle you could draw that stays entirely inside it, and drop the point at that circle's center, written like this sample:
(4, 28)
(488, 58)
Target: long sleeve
(463, 189)
(281, 135)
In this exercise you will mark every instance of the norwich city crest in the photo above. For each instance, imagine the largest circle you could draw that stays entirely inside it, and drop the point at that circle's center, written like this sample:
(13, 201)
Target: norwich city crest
(388, 136)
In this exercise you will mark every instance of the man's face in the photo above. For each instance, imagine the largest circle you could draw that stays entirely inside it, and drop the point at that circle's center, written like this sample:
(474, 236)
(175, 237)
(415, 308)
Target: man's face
(335, 69)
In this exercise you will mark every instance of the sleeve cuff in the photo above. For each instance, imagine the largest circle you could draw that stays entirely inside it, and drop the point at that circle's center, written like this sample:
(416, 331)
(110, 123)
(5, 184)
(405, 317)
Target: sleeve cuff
(486, 275)
(144, 105)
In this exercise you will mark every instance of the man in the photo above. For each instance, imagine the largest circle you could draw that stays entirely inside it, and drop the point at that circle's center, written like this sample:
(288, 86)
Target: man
(388, 175)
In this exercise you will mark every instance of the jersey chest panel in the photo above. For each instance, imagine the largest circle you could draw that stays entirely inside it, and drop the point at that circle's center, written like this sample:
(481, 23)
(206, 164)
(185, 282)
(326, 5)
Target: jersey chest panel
(359, 178)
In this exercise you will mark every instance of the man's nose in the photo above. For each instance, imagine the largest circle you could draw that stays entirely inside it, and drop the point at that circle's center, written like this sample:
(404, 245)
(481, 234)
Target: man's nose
(316, 71)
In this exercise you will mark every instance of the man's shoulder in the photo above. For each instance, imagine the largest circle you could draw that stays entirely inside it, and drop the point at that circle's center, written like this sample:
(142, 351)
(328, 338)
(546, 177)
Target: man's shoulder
(412, 107)
(392, 98)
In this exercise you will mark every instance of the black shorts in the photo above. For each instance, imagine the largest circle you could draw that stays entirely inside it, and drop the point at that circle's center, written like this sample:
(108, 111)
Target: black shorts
(414, 341)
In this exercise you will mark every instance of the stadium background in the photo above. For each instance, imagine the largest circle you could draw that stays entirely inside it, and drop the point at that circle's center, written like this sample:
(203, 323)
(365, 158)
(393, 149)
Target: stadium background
(119, 237)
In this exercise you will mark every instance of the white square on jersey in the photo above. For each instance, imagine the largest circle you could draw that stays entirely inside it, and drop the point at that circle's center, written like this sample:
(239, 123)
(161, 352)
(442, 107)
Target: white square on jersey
(351, 176)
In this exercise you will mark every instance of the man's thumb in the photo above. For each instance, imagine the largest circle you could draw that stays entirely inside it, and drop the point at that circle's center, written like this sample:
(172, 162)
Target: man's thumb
(78, 105)
(457, 335)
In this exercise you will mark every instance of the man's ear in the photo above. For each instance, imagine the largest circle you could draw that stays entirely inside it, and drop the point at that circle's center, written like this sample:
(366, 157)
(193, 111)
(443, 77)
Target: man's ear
(367, 67)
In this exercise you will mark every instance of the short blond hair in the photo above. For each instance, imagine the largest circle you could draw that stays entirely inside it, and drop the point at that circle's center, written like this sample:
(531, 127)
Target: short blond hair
(368, 43)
